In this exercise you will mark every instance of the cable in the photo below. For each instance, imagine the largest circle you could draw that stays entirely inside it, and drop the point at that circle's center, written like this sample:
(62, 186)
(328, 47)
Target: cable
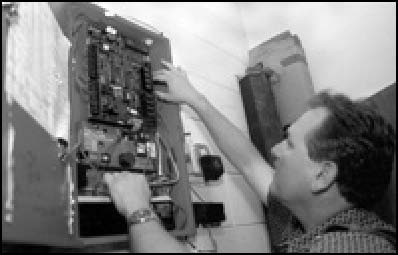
(161, 120)
(213, 241)
(191, 244)
(197, 194)
(82, 88)
(177, 208)
(72, 149)
(159, 143)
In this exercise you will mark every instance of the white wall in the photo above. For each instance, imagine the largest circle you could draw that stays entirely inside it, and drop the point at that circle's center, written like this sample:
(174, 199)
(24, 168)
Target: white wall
(350, 47)
(208, 40)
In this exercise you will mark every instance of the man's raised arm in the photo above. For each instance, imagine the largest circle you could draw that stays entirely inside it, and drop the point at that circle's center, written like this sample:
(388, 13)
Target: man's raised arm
(231, 141)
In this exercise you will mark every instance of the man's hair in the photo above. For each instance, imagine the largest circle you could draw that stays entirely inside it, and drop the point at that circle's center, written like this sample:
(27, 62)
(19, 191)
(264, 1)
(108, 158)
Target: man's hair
(359, 141)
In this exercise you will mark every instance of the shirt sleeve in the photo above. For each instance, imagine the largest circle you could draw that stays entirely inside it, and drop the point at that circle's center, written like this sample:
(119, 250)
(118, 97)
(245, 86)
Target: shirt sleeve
(350, 242)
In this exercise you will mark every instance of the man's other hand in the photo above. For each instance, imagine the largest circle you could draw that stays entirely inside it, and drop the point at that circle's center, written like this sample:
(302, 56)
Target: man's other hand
(130, 192)
(180, 89)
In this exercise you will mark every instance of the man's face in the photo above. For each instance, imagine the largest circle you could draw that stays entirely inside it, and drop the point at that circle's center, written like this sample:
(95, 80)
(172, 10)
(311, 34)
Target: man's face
(294, 170)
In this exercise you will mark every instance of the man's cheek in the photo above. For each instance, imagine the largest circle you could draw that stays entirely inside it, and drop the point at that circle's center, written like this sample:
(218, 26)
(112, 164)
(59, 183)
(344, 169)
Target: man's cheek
(272, 186)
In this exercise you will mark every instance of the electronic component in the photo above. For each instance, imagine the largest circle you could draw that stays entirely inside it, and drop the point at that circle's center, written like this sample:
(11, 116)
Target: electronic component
(126, 160)
(209, 214)
(212, 167)
(120, 83)
(112, 124)
(164, 210)
(105, 158)
(120, 133)
(92, 221)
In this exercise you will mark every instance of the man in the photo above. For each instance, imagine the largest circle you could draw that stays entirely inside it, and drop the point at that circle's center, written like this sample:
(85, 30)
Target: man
(335, 161)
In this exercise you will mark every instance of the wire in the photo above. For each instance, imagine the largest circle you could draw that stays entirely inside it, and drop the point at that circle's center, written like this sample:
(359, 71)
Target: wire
(213, 241)
(162, 121)
(72, 149)
(178, 208)
(81, 87)
(197, 194)
(159, 143)
(79, 142)
(194, 249)
(107, 149)
(117, 141)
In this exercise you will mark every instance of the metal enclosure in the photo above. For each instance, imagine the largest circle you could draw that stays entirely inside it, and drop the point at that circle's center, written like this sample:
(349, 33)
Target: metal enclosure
(295, 87)
(41, 187)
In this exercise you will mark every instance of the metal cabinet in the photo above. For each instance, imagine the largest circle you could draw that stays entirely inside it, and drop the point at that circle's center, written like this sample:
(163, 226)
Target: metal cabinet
(39, 197)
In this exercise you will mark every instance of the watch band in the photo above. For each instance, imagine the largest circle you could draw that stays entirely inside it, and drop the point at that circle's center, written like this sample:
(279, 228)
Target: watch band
(141, 216)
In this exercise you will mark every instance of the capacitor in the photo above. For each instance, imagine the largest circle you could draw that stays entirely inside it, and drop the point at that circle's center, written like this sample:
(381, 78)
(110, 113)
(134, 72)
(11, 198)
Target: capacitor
(151, 149)
(148, 42)
(110, 30)
(105, 158)
(93, 156)
(126, 159)
(102, 79)
(105, 47)
(117, 91)
(141, 148)
(146, 58)
(132, 111)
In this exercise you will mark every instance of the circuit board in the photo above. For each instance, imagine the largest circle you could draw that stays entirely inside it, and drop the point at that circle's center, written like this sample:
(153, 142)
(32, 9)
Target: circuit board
(81, 105)
(120, 83)
(120, 133)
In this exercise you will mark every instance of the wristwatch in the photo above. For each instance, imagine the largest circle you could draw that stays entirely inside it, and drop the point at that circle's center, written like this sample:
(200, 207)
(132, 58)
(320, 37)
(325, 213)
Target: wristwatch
(141, 216)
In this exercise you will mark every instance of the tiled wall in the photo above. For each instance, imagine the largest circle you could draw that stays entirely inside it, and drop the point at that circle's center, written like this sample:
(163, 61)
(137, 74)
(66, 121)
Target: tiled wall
(208, 40)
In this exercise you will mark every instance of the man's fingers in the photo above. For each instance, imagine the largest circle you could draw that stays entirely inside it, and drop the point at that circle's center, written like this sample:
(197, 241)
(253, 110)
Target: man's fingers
(160, 77)
(160, 72)
(108, 178)
(167, 64)
(164, 96)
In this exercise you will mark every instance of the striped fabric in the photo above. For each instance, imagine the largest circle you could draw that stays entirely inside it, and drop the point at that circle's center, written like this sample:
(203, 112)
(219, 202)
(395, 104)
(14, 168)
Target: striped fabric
(294, 239)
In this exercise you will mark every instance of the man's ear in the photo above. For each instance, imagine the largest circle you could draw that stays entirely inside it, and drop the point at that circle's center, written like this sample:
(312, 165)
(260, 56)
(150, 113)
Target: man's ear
(324, 177)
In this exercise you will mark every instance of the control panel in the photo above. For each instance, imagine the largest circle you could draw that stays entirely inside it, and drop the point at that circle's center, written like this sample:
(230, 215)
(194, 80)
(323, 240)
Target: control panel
(82, 104)
(120, 132)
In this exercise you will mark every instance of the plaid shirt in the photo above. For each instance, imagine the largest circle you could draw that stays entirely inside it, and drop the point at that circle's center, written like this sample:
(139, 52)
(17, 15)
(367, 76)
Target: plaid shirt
(318, 239)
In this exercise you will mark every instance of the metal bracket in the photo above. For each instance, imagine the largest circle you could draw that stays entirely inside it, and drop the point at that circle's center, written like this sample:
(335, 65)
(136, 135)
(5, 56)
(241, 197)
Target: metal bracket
(269, 73)
(62, 146)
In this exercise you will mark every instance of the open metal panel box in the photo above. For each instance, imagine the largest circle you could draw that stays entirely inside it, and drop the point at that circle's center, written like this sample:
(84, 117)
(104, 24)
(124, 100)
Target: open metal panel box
(42, 199)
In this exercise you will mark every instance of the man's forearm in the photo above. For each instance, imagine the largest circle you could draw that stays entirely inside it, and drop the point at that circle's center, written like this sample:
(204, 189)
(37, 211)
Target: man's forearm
(152, 237)
(236, 147)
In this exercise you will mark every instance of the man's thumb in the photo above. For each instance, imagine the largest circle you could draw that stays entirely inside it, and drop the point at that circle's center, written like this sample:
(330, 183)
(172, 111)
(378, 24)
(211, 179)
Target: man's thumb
(164, 96)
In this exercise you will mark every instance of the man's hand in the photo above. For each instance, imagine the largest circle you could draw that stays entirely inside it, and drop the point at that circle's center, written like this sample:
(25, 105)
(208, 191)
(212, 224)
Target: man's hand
(130, 192)
(180, 89)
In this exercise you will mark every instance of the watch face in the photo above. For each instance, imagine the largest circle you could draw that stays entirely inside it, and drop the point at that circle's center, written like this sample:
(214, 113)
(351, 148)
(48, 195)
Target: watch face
(144, 213)
(139, 215)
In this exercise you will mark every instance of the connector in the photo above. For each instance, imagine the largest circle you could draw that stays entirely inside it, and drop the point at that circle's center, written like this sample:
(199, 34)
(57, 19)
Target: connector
(208, 214)
(212, 167)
